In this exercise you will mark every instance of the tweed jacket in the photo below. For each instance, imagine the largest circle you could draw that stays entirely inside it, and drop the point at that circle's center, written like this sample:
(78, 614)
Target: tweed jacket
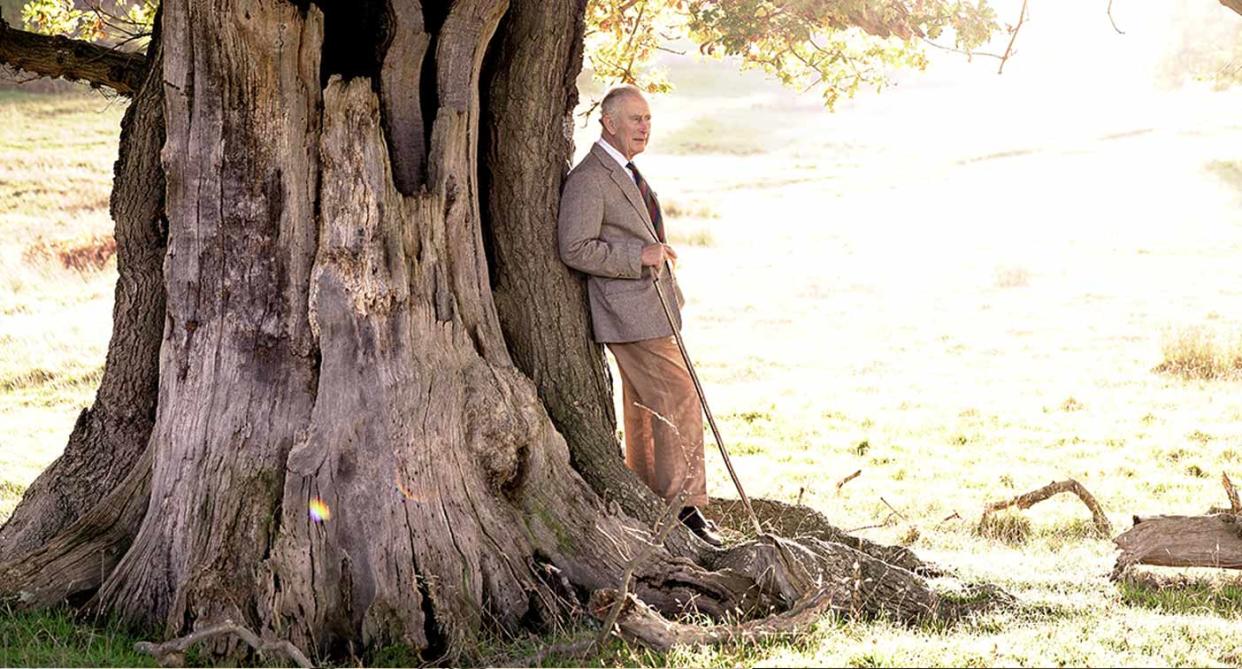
(602, 229)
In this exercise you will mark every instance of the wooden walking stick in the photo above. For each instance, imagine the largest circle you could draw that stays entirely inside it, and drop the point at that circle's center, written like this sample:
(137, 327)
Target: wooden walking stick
(681, 345)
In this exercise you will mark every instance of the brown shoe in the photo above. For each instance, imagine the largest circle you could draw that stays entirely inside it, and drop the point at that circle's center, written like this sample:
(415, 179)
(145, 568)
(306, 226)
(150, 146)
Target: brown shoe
(703, 528)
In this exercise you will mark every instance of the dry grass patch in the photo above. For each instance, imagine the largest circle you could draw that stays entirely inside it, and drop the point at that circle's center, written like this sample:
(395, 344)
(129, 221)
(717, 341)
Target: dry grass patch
(675, 209)
(83, 253)
(1196, 353)
(1008, 526)
(691, 237)
(1230, 171)
(1012, 277)
(719, 134)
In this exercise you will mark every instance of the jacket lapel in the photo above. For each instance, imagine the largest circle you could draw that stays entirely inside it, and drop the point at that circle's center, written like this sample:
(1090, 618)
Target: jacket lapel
(626, 183)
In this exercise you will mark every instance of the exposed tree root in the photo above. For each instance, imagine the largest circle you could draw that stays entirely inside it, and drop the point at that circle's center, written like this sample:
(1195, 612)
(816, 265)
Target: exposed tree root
(172, 653)
(1027, 500)
(665, 524)
(72, 565)
(639, 623)
(805, 579)
(790, 520)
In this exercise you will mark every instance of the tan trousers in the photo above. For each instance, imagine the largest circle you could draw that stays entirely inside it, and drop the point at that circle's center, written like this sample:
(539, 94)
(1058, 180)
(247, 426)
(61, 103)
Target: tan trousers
(666, 454)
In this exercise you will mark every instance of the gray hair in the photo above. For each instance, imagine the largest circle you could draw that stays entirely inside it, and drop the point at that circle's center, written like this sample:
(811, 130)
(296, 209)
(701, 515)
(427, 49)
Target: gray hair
(613, 98)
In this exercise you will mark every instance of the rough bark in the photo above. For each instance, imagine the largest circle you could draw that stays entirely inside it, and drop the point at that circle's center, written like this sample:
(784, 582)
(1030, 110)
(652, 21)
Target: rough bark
(402, 102)
(110, 436)
(238, 362)
(70, 567)
(1182, 541)
(75, 60)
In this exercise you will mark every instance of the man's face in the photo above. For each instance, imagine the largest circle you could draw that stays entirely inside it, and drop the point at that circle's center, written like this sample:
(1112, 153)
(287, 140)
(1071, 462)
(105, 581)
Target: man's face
(629, 126)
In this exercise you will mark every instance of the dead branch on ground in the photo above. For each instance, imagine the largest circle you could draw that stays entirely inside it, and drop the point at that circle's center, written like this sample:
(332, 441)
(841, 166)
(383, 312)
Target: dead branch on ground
(847, 479)
(172, 653)
(1231, 492)
(638, 622)
(1033, 497)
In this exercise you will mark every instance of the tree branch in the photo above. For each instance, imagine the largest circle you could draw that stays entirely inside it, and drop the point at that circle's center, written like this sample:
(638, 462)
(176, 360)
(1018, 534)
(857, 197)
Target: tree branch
(172, 653)
(1235, 5)
(1235, 505)
(1025, 501)
(1110, 19)
(1013, 36)
(56, 56)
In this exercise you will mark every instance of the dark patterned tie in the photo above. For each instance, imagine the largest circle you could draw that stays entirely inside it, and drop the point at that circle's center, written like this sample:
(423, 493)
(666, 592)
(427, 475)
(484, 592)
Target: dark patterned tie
(653, 207)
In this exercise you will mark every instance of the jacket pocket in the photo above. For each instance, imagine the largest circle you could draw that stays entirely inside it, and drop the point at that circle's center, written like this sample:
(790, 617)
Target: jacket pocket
(623, 286)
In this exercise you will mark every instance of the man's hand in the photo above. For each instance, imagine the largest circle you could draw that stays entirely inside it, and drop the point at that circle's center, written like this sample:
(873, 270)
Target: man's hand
(654, 255)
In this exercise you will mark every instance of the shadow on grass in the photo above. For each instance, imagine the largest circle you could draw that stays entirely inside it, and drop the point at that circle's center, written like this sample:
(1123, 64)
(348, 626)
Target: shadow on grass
(1202, 595)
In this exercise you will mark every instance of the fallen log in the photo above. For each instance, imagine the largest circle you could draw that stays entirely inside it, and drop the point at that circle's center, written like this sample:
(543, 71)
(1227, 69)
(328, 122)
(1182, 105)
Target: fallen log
(1212, 540)
(1182, 541)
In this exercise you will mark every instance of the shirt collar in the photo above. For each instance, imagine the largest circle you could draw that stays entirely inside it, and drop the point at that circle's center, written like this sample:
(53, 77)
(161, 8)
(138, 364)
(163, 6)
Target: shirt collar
(610, 150)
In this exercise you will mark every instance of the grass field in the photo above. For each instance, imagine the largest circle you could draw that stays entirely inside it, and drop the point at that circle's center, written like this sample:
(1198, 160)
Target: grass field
(961, 309)
(56, 155)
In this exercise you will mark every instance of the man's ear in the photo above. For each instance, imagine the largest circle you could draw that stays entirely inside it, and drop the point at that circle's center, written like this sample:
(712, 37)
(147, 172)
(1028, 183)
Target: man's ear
(609, 124)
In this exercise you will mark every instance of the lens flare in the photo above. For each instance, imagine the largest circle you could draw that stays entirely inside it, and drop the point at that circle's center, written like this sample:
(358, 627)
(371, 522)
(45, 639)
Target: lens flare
(319, 511)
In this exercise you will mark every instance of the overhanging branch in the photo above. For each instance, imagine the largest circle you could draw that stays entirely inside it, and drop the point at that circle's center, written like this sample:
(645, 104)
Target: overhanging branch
(58, 56)
(1235, 5)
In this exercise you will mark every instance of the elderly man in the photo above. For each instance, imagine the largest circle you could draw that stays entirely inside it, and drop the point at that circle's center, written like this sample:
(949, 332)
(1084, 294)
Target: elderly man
(611, 228)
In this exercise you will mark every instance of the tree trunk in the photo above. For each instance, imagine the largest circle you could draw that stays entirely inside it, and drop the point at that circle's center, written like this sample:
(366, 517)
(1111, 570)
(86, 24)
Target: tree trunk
(344, 453)
(109, 437)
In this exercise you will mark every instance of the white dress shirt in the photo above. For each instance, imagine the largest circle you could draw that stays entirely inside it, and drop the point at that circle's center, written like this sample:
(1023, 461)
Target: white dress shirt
(617, 156)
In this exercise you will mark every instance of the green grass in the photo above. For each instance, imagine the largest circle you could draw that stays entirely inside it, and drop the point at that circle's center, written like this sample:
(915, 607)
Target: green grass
(56, 639)
(1188, 597)
(56, 155)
